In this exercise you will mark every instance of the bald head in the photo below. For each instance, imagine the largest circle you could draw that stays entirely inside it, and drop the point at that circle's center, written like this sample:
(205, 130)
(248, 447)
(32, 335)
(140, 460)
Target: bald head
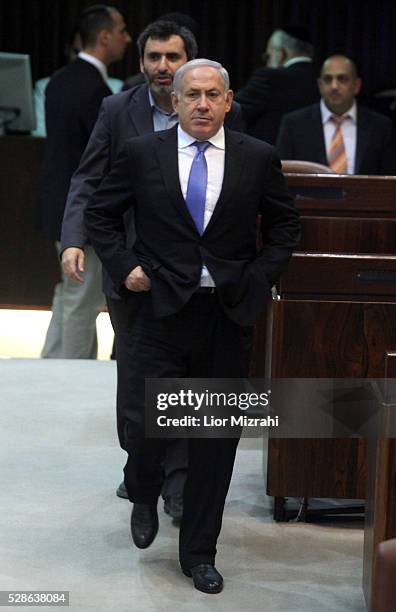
(349, 65)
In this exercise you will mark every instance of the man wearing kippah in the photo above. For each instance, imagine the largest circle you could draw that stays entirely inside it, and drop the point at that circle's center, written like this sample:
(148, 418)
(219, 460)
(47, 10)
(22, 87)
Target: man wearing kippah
(286, 83)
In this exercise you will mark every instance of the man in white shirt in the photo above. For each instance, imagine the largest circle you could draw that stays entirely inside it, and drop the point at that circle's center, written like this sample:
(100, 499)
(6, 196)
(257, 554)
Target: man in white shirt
(73, 98)
(72, 48)
(338, 132)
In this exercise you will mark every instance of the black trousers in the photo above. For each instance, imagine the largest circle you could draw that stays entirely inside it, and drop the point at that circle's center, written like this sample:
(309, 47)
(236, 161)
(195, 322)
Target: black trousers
(175, 459)
(199, 341)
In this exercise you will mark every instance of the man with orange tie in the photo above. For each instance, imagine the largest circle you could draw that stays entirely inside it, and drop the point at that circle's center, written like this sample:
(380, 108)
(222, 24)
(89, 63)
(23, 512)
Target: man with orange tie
(338, 132)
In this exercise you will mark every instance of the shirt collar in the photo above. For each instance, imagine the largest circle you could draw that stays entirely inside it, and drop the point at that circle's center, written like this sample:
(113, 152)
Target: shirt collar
(327, 114)
(95, 62)
(155, 106)
(295, 60)
(185, 140)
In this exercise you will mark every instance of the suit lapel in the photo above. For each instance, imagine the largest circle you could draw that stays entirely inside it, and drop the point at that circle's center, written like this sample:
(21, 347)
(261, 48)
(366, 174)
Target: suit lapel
(234, 161)
(362, 138)
(318, 144)
(139, 111)
(166, 150)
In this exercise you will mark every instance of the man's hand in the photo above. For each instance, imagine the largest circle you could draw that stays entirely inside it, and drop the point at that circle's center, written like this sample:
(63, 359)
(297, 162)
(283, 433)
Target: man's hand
(137, 280)
(73, 263)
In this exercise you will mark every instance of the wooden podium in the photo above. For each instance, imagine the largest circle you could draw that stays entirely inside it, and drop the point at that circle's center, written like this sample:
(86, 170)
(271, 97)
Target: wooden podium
(336, 318)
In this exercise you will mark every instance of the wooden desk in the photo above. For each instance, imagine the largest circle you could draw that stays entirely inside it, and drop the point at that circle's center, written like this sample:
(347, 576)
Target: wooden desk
(336, 317)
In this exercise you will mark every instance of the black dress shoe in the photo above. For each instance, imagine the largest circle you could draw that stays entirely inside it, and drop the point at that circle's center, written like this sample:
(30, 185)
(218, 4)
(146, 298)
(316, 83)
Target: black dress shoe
(206, 578)
(144, 524)
(173, 505)
(121, 491)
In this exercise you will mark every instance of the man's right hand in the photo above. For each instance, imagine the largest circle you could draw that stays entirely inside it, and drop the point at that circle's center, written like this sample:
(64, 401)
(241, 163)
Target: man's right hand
(73, 263)
(137, 280)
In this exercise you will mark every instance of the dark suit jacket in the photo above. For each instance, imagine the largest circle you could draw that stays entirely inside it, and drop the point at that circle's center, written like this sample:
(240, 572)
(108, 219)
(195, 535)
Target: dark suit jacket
(168, 245)
(272, 92)
(73, 98)
(122, 116)
(301, 137)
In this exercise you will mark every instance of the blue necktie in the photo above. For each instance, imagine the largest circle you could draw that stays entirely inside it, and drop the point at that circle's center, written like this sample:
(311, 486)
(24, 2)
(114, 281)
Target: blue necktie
(196, 188)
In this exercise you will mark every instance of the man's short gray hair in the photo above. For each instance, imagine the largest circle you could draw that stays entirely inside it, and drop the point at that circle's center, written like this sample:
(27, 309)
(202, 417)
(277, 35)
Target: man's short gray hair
(280, 39)
(180, 72)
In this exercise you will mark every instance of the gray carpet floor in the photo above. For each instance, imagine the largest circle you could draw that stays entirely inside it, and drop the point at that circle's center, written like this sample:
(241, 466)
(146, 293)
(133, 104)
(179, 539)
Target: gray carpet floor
(63, 528)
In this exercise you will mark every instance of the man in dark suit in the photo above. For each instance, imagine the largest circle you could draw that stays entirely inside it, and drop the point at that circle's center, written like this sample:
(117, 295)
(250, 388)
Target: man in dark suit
(163, 47)
(338, 132)
(286, 83)
(196, 191)
(73, 98)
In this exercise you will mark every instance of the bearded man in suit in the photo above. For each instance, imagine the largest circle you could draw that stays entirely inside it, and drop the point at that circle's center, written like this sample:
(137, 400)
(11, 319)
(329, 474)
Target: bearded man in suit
(197, 283)
(163, 47)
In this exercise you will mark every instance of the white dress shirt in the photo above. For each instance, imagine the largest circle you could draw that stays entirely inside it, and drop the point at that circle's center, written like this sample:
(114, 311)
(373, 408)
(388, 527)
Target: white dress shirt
(348, 130)
(215, 162)
(297, 60)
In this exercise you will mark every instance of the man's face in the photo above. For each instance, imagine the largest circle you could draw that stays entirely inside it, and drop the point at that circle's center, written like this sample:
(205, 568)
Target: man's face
(160, 61)
(338, 85)
(118, 38)
(202, 102)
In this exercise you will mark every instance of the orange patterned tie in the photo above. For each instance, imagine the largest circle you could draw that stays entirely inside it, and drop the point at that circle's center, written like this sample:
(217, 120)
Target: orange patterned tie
(337, 155)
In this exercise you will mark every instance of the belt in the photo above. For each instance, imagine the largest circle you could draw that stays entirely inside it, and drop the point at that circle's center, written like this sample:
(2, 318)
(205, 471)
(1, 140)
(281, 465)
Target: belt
(206, 290)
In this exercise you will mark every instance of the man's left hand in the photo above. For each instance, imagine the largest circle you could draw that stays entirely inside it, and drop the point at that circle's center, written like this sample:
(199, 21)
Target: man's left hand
(137, 280)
